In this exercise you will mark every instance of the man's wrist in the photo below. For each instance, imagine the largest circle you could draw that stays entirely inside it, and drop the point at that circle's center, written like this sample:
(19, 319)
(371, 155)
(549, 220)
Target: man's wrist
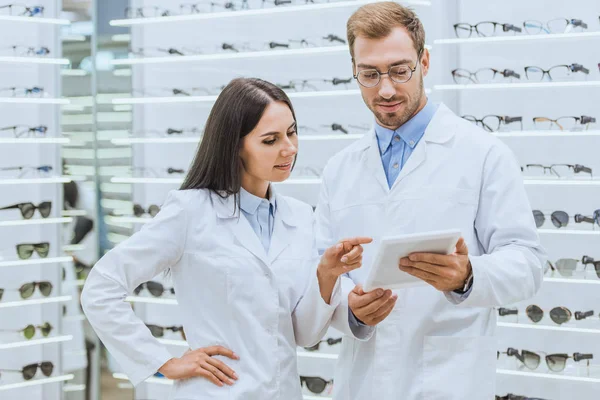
(468, 282)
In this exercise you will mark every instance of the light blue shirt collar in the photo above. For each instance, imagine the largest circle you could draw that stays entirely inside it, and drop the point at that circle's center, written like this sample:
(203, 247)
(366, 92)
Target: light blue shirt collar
(411, 132)
(249, 203)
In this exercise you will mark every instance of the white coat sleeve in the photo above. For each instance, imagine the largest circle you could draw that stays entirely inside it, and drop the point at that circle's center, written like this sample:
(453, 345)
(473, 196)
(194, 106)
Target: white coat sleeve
(312, 316)
(155, 248)
(511, 266)
(343, 319)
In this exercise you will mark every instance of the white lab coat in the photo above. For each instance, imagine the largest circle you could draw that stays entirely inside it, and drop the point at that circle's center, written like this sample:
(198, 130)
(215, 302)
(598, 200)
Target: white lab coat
(430, 347)
(229, 291)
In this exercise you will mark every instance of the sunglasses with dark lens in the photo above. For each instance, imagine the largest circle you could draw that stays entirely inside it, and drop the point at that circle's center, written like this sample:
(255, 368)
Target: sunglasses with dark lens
(29, 330)
(315, 384)
(156, 289)
(30, 370)
(555, 362)
(568, 266)
(159, 331)
(511, 396)
(138, 210)
(27, 290)
(25, 250)
(329, 341)
(28, 209)
(559, 315)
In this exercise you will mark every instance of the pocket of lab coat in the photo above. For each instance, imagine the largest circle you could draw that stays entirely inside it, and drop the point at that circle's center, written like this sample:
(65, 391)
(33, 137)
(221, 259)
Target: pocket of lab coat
(458, 368)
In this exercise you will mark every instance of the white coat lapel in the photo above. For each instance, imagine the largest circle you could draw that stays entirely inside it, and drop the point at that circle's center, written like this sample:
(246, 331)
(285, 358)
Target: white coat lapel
(373, 159)
(284, 228)
(239, 225)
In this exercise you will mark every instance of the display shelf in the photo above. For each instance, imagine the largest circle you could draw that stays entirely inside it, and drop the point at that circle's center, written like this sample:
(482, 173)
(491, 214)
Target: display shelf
(36, 342)
(568, 232)
(35, 20)
(29, 100)
(35, 261)
(521, 38)
(249, 13)
(73, 388)
(34, 302)
(33, 60)
(547, 376)
(37, 221)
(151, 300)
(562, 182)
(73, 247)
(547, 328)
(50, 140)
(37, 382)
(73, 213)
(117, 179)
(573, 281)
(541, 134)
(524, 85)
(320, 356)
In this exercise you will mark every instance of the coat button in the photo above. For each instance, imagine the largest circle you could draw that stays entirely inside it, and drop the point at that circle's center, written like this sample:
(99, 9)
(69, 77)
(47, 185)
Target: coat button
(397, 138)
(412, 142)
(395, 165)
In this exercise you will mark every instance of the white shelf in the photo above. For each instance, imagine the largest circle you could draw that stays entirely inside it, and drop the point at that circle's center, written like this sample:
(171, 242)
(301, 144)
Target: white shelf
(29, 100)
(547, 376)
(179, 343)
(46, 300)
(321, 356)
(36, 342)
(249, 13)
(116, 179)
(130, 220)
(37, 221)
(568, 232)
(575, 281)
(73, 388)
(560, 134)
(527, 85)
(522, 38)
(37, 382)
(562, 182)
(35, 261)
(35, 140)
(73, 213)
(35, 20)
(151, 300)
(162, 140)
(34, 60)
(29, 181)
(547, 328)
(73, 247)
(160, 381)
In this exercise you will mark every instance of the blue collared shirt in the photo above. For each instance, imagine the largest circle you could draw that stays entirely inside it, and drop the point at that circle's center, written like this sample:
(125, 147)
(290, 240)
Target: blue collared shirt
(260, 213)
(396, 146)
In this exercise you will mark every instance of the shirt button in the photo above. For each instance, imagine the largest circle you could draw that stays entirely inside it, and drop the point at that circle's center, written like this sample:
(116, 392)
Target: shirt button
(412, 142)
(397, 138)
(395, 165)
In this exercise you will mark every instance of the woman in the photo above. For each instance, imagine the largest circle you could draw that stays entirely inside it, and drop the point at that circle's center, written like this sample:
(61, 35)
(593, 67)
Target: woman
(245, 268)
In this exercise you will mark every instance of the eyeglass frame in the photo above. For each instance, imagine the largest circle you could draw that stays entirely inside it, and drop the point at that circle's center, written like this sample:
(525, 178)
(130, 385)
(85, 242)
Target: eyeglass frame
(380, 74)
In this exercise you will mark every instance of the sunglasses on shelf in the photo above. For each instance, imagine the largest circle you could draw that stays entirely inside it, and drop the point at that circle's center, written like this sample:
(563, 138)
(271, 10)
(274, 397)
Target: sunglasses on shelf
(315, 384)
(29, 330)
(30, 370)
(329, 341)
(558, 315)
(567, 266)
(555, 362)
(27, 290)
(156, 289)
(25, 250)
(138, 210)
(26, 131)
(159, 331)
(28, 209)
(34, 91)
(511, 396)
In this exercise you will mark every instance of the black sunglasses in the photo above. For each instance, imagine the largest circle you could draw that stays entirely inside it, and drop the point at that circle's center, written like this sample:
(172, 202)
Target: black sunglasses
(28, 209)
(30, 370)
(511, 396)
(156, 289)
(315, 384)
(329, 341)
(25, 250)
(159, 331)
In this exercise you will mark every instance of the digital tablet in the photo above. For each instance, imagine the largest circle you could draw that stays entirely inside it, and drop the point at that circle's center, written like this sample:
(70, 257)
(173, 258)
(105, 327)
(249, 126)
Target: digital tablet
(385, 272)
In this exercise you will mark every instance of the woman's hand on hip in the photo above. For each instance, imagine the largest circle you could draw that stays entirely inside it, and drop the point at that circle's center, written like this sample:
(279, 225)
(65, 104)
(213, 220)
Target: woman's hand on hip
(201, 363)
(343, 257)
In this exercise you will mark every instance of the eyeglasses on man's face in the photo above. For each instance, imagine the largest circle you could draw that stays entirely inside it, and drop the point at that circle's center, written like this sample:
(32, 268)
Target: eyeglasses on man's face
(370, 77)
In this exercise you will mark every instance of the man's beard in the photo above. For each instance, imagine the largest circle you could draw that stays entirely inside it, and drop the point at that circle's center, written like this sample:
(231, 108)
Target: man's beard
(396, 120)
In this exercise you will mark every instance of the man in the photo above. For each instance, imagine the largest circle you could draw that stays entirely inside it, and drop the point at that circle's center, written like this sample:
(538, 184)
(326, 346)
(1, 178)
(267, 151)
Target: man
(420, 169)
